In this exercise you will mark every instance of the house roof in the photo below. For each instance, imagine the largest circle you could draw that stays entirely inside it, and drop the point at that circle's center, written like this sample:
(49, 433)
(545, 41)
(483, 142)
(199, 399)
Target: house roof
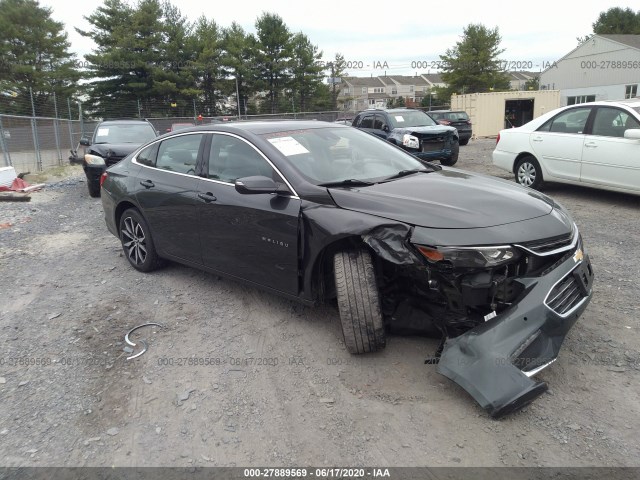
(522, 75)
(433, 77)
(407, 80)
(632, 41)
(364, 81)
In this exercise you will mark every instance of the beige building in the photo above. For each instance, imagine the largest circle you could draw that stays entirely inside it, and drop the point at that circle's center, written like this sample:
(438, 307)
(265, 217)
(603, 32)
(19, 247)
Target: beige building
(492, 112)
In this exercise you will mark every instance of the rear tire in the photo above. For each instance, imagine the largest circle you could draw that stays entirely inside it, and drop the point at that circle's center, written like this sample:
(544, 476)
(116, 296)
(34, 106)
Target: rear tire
(528, 172)
(455, 151)
(358, 302)
(137, 243)
(464, 142)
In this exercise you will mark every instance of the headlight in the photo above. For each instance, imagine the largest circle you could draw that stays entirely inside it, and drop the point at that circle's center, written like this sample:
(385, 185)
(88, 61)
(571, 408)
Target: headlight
(410, 141)
(470, 257)
(93, 159)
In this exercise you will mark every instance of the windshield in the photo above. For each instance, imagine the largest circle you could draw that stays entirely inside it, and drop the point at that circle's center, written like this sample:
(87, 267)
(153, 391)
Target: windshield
(410, 118)
(335, 154)
(124, 133)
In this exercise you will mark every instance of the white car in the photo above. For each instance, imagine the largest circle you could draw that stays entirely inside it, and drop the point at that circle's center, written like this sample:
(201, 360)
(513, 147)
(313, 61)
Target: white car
(594, 144)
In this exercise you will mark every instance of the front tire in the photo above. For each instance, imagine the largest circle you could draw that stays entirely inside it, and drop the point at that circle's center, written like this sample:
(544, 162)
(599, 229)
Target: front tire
(528, 172)
(455, 151)
(137, 243)
(358, 302)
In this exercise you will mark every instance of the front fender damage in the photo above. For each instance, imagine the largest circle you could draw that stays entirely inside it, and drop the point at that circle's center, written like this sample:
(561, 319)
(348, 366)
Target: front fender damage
(493, 357)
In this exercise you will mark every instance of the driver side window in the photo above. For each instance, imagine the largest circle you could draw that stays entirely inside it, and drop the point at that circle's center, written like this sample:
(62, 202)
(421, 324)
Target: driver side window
(231, 158)
(179, 154)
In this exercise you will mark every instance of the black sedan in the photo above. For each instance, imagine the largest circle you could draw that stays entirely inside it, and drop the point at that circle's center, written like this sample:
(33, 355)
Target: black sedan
(316, 211)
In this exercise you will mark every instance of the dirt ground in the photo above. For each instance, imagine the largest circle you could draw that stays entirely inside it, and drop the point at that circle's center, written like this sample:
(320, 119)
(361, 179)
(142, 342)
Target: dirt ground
(238, 377)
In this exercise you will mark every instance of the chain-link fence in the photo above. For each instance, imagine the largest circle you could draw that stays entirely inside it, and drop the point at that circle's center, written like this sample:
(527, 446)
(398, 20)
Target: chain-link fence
(32, 144)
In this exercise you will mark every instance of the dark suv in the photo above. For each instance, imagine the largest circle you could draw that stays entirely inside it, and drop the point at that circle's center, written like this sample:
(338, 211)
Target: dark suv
(112, 140)
(414, 131)
(458, 119)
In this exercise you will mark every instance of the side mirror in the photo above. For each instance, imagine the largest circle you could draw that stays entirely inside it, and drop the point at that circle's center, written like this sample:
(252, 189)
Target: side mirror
(385, 128)
(632, 133)
(85, 141)
(256, 184)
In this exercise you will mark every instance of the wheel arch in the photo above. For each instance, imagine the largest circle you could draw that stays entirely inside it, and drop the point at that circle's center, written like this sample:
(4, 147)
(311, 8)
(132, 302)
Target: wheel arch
(121, 208)
(322, 281)
(520, 156)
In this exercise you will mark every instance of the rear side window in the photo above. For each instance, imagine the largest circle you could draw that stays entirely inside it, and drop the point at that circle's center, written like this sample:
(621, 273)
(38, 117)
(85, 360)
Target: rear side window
(148, 155)
(179, 154)
(569, 121)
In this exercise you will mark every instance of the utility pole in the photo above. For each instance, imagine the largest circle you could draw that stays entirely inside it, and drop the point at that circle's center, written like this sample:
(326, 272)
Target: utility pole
(238, 97)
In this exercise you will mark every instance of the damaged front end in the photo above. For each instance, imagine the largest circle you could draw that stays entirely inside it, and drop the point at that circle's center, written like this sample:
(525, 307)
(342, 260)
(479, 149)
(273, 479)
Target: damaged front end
(502, 311)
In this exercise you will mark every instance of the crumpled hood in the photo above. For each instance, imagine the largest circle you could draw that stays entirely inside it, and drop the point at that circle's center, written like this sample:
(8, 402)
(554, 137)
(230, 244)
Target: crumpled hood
(114, 149)
(425, 130)
(448, 198)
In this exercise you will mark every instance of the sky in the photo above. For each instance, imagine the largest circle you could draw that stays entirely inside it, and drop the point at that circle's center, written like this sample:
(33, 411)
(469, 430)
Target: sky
(377, 39)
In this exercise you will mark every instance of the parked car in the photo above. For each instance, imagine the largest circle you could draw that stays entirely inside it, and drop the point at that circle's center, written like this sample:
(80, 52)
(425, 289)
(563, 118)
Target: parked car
(593, 144)
(458, 119)
(180, 126)
(112, 140)
(414, 131)
(315, 211)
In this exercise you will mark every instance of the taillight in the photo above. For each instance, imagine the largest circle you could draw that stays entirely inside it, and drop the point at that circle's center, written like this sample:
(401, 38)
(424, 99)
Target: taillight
(498, 139)
(103, 177)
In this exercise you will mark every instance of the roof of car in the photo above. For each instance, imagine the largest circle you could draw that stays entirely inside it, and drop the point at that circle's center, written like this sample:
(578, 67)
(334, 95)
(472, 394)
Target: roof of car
(260, 127)
(129, 120)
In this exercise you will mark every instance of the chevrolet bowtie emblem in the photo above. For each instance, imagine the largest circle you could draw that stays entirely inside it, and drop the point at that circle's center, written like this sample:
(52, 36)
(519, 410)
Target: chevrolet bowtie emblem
(578, 255)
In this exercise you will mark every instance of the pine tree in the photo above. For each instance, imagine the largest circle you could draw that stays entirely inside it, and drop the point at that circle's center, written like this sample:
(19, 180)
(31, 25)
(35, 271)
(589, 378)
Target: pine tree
(273, 56)
(239, 62)
(306, 71)
(472, 65)
(34, 53)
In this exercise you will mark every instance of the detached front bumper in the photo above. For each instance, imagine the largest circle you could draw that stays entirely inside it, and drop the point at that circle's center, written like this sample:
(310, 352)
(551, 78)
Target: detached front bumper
(495, 361)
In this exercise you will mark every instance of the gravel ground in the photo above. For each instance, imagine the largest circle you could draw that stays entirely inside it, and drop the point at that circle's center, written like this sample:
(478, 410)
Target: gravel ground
(238, 377)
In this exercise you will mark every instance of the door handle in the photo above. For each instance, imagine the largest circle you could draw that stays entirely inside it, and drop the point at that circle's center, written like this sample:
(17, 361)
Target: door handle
(147, 184)
(591, 145)
(207, 197)
(537, 139)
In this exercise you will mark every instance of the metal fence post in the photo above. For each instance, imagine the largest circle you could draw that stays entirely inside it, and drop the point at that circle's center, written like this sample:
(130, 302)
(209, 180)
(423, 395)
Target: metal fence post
(3, 144)
(55, 128)
(34, 131)
(70, 125)
(81, 120)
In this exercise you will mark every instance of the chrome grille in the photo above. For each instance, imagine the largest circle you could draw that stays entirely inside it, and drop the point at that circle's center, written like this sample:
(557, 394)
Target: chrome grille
(565, 295)
(541, 247)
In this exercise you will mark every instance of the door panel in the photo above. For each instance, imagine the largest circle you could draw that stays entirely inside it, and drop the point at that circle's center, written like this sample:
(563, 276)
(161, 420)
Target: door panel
(253, 237)
(168, 197)
(558, 143)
